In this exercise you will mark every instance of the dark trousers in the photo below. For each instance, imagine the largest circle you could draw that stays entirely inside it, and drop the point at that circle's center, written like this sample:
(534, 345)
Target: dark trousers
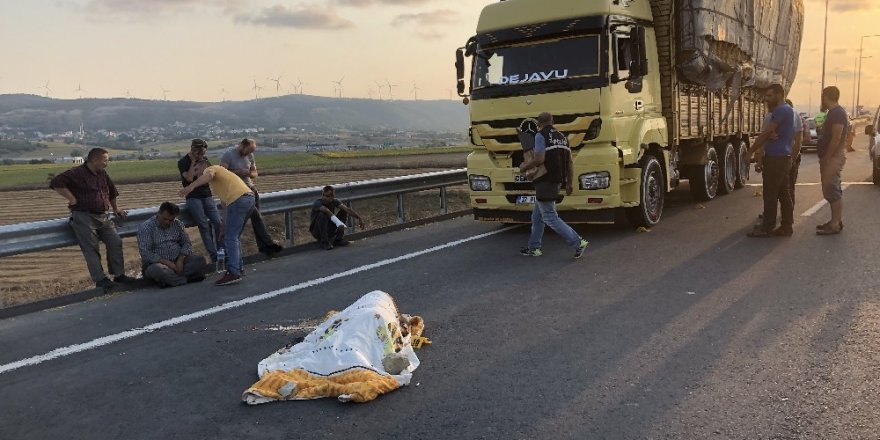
(89, 229)
(193, 266)
(777, 188)
(792, 178)
(324, 230)
(264, 240)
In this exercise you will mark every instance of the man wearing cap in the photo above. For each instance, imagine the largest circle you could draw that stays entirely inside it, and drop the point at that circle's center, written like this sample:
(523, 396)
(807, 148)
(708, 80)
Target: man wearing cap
(200, 202)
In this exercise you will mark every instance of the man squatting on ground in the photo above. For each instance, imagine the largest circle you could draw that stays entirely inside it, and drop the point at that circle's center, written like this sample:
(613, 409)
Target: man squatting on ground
(200, 202)
(776, 141)
(240, 160)
(238, 203)
(166, 252)
(328, 219)
(91, 198)
(551, 150)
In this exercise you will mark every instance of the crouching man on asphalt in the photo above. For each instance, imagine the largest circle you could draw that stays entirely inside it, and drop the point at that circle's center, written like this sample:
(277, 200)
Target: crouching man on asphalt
(166, 251)
(329, 217)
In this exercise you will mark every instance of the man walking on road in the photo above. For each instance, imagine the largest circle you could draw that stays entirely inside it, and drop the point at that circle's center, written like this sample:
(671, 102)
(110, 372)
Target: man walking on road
(776, 141)
(166, 252)
(200, 203)
(91, 198)
(240, 160)
(551, 150)
(832, 157)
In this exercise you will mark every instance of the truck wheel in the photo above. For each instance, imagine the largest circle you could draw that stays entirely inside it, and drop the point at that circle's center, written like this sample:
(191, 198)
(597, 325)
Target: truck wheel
(652, 195)
(743, 165)
(877, 171)
(704, 179)
(727, 179)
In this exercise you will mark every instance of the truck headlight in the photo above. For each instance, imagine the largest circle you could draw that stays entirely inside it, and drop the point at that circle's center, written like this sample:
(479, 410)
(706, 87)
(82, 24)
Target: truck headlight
(480, 183)
(593, 181)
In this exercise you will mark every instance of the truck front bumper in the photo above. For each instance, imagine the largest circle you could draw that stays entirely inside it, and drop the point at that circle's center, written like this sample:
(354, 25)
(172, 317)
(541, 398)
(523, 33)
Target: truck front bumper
(595, 216)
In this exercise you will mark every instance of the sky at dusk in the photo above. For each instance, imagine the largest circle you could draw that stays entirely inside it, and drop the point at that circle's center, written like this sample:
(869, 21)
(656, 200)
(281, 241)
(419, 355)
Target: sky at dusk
(208, 50)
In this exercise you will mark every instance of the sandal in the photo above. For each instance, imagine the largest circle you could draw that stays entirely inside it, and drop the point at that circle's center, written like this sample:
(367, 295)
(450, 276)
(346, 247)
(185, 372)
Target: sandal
(827, 225)
(830, 231)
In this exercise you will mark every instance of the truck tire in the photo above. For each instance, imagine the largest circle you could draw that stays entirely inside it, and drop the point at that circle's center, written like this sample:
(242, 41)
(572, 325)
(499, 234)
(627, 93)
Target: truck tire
(728, 167)
(704, 179)
(652, 195)
(743, 164)
(877, 171)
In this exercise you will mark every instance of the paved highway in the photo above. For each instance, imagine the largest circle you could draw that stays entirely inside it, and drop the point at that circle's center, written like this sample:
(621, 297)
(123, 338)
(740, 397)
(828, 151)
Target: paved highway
(688, 331)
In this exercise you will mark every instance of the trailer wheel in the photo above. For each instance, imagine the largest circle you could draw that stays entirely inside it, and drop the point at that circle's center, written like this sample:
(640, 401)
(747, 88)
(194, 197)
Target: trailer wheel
(744, 164)
(727, 179)
(704, 179)
(652, 193)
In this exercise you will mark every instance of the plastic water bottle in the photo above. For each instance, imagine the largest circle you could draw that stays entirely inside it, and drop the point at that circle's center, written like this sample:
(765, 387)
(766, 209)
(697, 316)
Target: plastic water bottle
(221, 260)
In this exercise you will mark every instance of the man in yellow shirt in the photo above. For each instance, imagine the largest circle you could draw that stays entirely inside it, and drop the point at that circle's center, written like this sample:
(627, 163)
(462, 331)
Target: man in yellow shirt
(238, 202)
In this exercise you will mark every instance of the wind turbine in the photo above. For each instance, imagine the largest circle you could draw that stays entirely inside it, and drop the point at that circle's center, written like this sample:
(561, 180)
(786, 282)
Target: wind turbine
(127, 93)
(277, 82)
(379, 87)
(299, 84)
(339, 85)
(47, 89)
(165, 93)
(390, 90)
(415, 91)
(223, 94)
(256, 90)
(80, 90)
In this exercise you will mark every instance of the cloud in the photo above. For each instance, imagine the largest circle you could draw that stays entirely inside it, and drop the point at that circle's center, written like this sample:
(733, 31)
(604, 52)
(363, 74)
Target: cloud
(365, 3)
(302, 17)
(433, 18)
(152, 8)
(848, 5)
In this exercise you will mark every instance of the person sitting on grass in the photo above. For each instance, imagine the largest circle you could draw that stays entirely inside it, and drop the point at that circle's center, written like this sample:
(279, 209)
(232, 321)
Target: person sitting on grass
(329, 216)
(166, 251)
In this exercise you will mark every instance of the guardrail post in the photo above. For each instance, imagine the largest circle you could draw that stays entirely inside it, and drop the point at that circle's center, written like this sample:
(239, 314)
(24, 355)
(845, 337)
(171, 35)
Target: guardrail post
(444, 201)
(288, 227)
(401, 212)
(350, 223)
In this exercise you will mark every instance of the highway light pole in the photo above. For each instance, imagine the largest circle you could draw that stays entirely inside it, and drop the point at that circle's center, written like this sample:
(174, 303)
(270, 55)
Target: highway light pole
(859, 87)
(825, 45)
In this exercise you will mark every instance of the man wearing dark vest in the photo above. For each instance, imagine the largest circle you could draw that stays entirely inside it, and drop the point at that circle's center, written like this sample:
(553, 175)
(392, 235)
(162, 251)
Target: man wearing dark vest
(551, 150)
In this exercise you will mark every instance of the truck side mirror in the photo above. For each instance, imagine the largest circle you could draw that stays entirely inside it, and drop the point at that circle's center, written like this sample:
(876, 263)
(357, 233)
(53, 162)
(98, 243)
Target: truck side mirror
(639, 65)
(459, 71)
(870, 130)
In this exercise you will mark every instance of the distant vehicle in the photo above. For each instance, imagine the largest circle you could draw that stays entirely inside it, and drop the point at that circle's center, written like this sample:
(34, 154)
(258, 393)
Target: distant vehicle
(813, 141)
(873, 150)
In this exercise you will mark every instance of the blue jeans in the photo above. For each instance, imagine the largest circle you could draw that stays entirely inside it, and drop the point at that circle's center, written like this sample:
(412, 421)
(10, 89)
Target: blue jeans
(545, 213)
(237, 214)
(204, 212)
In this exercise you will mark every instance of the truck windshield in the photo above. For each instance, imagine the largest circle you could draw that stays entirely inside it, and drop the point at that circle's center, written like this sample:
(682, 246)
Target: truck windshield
(536, 62)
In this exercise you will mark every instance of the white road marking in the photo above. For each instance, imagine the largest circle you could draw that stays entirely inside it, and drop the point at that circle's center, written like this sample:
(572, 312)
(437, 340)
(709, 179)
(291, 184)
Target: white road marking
(821, 204)
(106, 340)
(758, 185)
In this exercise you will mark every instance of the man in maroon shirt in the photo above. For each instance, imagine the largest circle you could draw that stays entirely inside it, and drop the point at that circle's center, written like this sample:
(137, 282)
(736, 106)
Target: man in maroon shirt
(91, 198)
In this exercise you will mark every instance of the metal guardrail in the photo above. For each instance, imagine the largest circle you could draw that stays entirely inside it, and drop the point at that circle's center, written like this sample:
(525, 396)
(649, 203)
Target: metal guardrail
(44, 235)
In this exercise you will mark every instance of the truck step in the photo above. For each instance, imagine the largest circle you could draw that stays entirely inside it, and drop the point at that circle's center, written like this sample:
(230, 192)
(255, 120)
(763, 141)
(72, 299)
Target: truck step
(628, 180)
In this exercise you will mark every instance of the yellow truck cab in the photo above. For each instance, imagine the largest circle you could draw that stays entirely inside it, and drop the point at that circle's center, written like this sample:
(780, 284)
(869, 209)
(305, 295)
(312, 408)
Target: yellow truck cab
(605, 70)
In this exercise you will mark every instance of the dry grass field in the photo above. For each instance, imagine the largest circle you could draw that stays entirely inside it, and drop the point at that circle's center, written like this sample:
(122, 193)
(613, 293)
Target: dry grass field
(32, 277)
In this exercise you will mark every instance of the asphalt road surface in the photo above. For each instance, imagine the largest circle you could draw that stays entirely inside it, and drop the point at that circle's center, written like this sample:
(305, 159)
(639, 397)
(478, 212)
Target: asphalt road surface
(689, 331)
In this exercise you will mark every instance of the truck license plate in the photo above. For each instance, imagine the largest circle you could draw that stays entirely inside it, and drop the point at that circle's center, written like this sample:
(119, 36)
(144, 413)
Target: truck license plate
(525, 200)
(519, 178)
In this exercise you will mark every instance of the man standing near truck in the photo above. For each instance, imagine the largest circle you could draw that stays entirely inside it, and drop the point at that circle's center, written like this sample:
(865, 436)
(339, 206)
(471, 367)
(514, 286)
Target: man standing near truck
(832, 157)
(551, 150)
(776, 140)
